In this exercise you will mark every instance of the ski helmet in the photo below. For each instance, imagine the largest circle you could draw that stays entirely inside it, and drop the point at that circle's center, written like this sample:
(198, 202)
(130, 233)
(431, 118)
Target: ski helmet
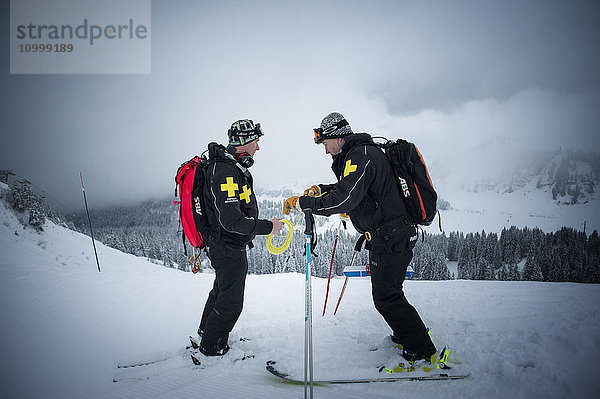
(243, 131)
(332, 126)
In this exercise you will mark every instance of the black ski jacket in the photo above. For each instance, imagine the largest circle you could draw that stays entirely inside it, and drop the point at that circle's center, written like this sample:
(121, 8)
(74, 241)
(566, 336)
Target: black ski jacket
(230, 202)
(367, 191)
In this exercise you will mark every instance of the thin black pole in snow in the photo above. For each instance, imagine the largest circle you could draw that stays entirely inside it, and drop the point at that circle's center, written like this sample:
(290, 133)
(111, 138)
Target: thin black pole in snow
(89, 220)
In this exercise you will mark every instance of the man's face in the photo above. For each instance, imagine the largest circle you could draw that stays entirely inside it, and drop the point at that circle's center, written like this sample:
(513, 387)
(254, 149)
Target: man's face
(333, 146)
(250, 148)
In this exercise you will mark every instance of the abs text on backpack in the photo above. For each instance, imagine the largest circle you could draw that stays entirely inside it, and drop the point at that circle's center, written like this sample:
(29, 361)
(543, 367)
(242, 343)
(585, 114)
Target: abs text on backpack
(192, 217)
(413, 180)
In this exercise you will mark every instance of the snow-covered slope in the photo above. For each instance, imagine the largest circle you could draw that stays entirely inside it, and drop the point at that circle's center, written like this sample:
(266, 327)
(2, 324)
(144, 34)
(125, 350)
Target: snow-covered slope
(65, 327)
(492, 211)
(545, 190)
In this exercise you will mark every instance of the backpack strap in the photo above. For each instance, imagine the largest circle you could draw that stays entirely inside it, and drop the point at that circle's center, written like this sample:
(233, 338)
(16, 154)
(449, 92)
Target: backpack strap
(390, 228)
(184, 246)
(218, 152)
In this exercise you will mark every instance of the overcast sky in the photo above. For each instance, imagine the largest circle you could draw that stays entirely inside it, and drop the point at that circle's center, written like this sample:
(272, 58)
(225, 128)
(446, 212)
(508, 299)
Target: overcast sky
(452, 76)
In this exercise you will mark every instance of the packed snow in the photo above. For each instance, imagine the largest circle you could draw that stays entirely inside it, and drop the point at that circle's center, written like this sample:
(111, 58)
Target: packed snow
(65, 328)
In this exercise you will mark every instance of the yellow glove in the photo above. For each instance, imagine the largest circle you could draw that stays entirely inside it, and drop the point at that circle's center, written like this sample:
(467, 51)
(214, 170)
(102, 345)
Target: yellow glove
(291, 203)
(313, 191)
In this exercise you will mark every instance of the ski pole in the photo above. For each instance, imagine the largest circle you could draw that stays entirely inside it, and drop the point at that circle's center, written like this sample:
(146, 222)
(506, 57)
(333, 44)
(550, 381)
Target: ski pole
(89, 220)
(308, 358)
(331, 267)
(357, 249)
(343, 289)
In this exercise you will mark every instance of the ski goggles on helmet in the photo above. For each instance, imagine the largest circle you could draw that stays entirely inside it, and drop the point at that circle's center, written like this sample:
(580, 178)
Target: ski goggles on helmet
(328, 133)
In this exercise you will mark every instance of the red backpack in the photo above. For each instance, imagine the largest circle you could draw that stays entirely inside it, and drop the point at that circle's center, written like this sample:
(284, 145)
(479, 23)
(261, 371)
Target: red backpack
(192, 217)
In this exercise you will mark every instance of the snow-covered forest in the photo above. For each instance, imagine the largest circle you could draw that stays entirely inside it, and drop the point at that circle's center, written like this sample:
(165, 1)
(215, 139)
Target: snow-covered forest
(150, 229)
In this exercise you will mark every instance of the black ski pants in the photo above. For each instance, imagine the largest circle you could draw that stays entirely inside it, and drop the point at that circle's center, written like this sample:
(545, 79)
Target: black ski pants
(388, 270)
(226, 299)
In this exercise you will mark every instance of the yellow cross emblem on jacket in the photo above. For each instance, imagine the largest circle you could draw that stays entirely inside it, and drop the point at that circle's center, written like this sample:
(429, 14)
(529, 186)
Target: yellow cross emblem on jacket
(349, 168)
(245, 195)
(230, 187)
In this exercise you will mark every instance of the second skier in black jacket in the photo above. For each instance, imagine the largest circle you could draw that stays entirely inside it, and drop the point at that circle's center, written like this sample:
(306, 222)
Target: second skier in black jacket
(367, 191)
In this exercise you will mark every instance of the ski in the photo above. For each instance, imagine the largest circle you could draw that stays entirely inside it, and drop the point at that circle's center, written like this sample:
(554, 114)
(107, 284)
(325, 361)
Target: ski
(200, 360)
(149, 369)
(435, 376)
(125, 378)
(148, 366)
(129, 379)
(152, 359)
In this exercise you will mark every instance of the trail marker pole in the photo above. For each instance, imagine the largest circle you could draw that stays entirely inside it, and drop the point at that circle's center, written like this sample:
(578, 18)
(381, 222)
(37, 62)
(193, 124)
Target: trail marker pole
(89, 220)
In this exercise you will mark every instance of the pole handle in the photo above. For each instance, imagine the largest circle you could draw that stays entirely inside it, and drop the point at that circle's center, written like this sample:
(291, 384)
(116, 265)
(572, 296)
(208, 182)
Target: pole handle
(359, 243)
(309, 228)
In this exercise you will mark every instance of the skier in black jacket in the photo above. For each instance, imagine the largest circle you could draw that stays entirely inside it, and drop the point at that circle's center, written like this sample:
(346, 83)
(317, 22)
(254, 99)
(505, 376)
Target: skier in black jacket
(232, 213)
(367, 191)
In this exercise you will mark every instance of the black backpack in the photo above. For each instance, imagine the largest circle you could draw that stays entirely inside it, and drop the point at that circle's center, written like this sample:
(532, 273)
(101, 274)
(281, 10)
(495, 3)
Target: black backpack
(413, 180)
